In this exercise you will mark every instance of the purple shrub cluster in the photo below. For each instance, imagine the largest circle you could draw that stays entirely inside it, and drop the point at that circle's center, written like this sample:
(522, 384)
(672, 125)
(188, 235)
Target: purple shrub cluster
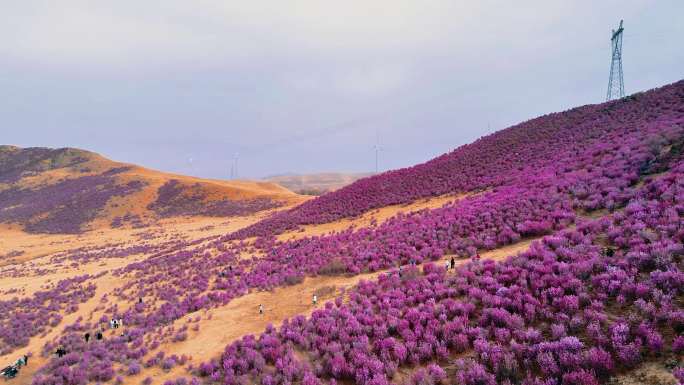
(563, 312)
(176, 199)
(134, 220)
(63, 207)
(18, 162)
(21, 319)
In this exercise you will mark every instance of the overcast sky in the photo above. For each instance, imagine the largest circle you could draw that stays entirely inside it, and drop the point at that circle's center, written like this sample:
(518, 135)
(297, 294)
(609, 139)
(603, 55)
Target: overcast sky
(307, 86)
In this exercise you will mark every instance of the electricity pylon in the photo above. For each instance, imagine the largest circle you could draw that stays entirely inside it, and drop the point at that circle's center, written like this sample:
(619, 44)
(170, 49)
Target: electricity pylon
(616, 86)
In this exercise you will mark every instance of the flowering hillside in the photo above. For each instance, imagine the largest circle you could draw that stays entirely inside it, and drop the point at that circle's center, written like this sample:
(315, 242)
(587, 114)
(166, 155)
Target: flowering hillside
(69, 191)
(506, 157)
(174, 199)
(600, 190)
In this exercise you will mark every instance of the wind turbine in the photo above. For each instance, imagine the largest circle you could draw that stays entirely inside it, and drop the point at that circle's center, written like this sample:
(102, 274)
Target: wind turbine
(377, 149)
(190, 164)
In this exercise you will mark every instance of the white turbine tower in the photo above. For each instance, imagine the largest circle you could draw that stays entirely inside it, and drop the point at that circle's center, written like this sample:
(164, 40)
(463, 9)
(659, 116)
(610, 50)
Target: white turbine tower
(190, 164)
(377, 149)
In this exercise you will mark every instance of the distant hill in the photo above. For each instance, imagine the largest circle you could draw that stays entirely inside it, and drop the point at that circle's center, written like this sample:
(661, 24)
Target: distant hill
(316, 184)
(68, 190)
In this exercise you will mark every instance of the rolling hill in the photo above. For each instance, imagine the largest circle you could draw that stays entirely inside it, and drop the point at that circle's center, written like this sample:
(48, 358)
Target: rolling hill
(70, 190)
(316, 184)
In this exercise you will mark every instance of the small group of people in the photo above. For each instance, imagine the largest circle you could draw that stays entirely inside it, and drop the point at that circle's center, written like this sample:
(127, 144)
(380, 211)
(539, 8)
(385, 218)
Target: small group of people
(115, 323)
(60, 352)
(225, 273)
(98, 336)
(608, 252)
(450, 263)
(12, 370)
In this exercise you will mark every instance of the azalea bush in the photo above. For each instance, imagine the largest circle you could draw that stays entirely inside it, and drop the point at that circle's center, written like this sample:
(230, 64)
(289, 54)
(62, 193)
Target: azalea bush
(23, 318)
(63, 207)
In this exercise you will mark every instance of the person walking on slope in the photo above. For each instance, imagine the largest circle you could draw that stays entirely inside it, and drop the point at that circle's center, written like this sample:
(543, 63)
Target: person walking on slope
(86, 337)
(453, 263)
(261, 309)
(25, 359)
(446, 265)
(10, 371)
(98, 336)
(315, 299)
(60, 352)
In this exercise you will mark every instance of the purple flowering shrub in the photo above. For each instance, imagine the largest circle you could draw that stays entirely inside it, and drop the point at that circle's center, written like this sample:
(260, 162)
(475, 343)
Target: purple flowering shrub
(176, 199)
(133, 219)
(63, 207)
(18, 162)
(21, 319)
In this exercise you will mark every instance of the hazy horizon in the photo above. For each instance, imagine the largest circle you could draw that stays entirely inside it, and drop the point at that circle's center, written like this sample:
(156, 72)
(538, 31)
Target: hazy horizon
(306, 87)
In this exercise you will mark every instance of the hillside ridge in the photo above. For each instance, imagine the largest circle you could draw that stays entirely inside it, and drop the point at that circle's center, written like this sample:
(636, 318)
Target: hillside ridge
(69, 190)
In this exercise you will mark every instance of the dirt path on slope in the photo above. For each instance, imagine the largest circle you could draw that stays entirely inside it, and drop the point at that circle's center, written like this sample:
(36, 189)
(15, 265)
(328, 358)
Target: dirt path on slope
(241, 317)
(284, 302)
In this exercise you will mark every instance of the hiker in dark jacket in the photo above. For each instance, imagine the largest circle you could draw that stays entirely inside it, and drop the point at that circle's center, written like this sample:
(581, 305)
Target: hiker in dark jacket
(86, 337)
(453, 263)
(10, 371)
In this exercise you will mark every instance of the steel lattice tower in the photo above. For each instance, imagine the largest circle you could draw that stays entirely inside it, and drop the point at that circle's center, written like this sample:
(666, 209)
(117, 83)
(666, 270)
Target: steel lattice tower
(616, 86)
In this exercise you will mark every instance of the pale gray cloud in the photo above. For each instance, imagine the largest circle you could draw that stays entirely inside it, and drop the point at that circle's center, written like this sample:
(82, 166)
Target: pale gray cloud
(304, 86)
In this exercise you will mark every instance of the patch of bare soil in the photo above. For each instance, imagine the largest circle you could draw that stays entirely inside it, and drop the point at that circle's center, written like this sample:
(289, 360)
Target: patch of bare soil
(651, 373)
